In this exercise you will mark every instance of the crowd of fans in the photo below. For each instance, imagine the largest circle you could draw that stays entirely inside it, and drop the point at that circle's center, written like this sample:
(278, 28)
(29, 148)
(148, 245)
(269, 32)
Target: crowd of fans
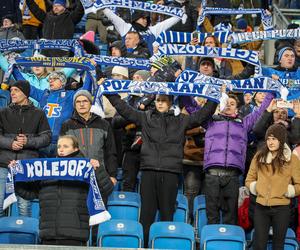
(253, 141)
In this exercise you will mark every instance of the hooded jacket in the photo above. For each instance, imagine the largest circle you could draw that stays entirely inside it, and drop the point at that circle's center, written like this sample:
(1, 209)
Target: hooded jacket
(28, 120)
(163, 134)
(226, 138)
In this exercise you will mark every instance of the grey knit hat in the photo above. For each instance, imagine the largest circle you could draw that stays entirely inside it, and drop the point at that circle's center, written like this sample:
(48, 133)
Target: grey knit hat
(85, 93)
(60, 75)
(145, 74)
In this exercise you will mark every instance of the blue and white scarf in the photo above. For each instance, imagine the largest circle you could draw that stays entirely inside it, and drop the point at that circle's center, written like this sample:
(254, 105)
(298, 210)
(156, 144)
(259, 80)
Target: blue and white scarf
(265, 18)
(67, 169)
(248, 56)
(70, 45)
(136, 63)
(260, 84)
(185, 37)
(208, 91)
(264, 35)
(93, 6)
(26, 12)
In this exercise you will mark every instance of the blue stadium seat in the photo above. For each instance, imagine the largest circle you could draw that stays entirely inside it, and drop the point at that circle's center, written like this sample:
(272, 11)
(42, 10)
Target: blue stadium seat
(124, 205)
(171, 235)
(290, 243)
(19, 230)
(221, 236)
(200, 218)
(119, 178)
(35, 209)
(182, 209)
(120, 234)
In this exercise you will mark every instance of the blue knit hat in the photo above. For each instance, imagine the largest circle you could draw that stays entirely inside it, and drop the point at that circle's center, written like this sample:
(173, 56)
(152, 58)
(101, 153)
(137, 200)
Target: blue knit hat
(241, 24)
(280, 53)
(60, 2)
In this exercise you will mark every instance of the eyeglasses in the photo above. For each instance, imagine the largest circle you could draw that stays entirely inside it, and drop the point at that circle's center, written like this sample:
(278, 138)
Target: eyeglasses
(53, 78)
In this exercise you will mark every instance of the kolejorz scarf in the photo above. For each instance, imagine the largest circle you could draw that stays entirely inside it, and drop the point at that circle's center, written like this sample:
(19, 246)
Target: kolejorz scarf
(67, 169)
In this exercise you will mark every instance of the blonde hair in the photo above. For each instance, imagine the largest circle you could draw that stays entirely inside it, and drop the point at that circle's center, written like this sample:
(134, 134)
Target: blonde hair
(72, 138)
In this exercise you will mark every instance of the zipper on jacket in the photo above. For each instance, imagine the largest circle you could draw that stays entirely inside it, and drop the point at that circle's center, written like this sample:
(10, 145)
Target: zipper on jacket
(227, 135)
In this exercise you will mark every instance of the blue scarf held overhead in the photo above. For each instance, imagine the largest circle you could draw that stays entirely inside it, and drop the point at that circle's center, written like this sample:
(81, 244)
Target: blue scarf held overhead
(66, 169)
(93, 6)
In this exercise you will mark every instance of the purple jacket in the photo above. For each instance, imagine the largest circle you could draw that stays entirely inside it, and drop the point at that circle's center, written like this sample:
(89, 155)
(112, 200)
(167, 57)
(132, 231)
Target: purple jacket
(226, 138)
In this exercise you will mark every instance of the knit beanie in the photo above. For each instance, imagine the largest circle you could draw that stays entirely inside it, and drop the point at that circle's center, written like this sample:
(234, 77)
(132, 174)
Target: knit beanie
(278, 131)
(161, 62)
(144, 74)
(207, 59)
(241, 24)
(280, 53)
(83, 92)
(60, 2)
(120, 71)
(60, 75)
(24, 86)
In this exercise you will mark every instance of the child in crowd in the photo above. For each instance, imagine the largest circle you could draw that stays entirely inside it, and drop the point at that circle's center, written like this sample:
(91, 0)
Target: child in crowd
(64, 217)
(274, 177)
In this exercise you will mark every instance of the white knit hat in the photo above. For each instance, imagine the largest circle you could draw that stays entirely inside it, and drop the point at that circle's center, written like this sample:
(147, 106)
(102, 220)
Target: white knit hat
(120, 71)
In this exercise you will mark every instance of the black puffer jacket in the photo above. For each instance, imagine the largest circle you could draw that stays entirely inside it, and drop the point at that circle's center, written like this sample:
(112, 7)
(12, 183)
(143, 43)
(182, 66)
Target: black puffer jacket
(63, 209)
(57, 26)
(163, 134)
(28, 120)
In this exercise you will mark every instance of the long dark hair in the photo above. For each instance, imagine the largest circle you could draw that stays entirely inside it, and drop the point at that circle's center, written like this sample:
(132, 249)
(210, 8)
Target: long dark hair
(277, 163)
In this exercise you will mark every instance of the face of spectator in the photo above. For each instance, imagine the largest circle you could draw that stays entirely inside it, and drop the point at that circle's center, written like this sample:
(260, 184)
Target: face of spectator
(7, 23)
(272, 143)
(38, 71)
(115, 52)
(153, 71)
(210, 42)
(17, 96)
(131, 40)
(118, 77)
(206, 68)
(231, 107)
(297, 47)
(247, 98)
(137, 78)
(82, 105)
(142, 21)
(65, 147)
(162, 103)
(280, 114)
(259, 97)
(55, 83)
(58, 9)
(287, 60)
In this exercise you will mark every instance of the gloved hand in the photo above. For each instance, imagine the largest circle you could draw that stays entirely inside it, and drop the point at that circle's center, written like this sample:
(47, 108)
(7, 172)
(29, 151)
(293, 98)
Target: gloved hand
(253, 188)
(290, 191)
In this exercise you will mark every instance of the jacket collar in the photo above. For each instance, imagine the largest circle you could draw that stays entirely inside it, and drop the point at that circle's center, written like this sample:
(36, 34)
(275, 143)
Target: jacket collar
(287, 153)
(22, 107)
(78, 118)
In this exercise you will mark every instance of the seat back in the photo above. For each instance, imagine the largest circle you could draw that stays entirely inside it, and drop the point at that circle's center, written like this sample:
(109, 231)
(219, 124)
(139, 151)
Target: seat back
(124, 205)
(221, 236)
(199, 212)
(120, 233)
(171, 235)
(181, 212)
(19, 230)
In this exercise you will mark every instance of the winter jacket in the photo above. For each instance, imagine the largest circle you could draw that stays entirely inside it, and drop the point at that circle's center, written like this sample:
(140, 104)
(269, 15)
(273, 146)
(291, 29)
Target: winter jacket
(226, 138)
(28, 120)
(96, 140)
(163, 134)
(63, 210)
(57, 26)
(11, 33)
(271, 188)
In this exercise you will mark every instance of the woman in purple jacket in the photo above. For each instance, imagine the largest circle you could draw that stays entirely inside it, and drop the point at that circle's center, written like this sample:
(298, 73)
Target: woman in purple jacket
(224, 159)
